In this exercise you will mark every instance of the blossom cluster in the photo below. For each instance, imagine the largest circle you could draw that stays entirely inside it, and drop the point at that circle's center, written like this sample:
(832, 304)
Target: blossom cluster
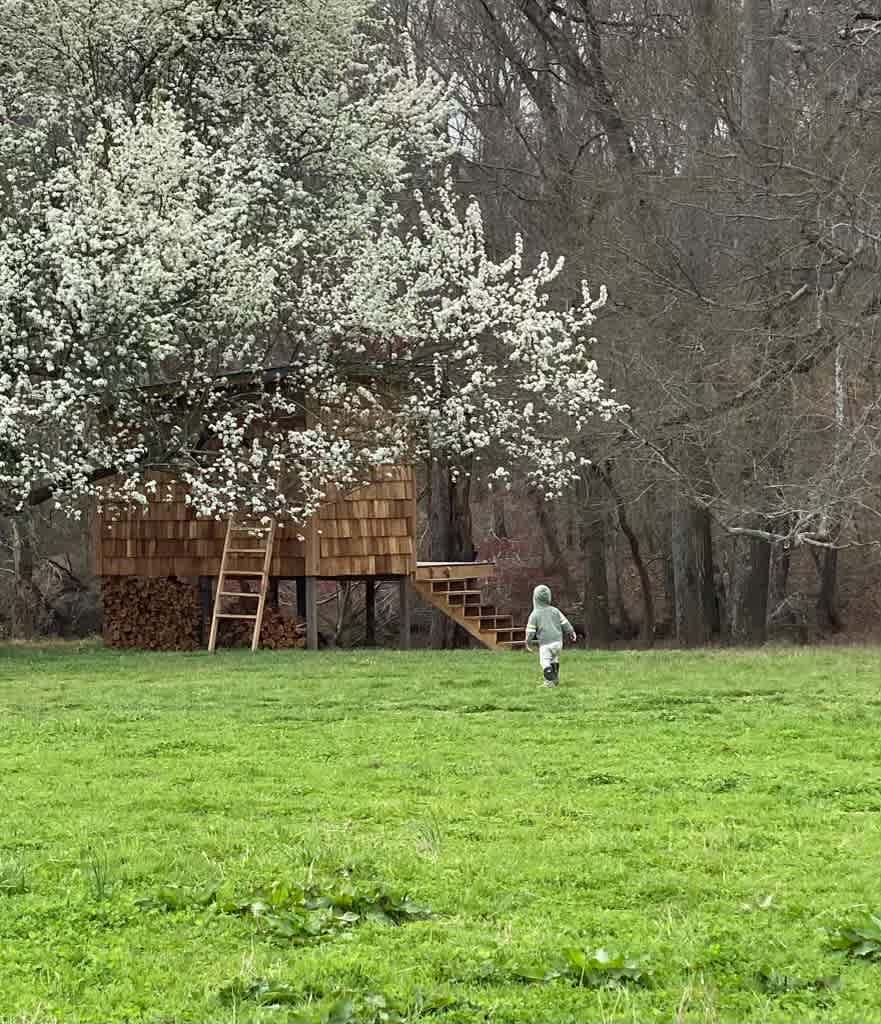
(191, 193)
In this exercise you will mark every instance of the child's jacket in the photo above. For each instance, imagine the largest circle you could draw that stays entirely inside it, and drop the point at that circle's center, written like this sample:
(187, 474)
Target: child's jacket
(546, 624)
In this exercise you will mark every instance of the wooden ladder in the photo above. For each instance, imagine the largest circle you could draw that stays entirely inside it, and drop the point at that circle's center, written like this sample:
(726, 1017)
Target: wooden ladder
(241, 544)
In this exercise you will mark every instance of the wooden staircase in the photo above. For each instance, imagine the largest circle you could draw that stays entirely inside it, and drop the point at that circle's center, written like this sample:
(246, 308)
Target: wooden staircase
(454, 588)
(242, 546)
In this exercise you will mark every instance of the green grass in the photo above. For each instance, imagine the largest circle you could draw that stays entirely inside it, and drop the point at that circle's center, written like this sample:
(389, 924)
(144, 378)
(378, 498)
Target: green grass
(714, 813)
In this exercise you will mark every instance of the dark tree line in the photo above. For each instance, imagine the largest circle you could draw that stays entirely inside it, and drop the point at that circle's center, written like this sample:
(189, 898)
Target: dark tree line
(715, 164)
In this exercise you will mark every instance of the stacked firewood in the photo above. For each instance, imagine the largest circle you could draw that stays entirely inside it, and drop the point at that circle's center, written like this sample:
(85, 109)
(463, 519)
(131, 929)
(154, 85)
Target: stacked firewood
(151, 614)
(276, 633)
(165, 615)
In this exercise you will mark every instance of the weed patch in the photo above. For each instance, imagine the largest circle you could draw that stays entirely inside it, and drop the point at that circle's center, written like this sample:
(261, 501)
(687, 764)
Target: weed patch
(583, 969)
(776, 983)
(342, 1008)
(861, 939)
(292, 912)
(13, 876)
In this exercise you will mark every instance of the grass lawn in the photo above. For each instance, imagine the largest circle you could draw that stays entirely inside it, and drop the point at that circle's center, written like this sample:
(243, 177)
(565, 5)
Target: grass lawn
(716, 814)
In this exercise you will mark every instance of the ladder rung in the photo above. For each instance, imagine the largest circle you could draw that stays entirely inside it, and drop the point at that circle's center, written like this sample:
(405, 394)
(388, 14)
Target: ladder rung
(242, 572)
(249, 529)
(229, 615)
(246, 551)
(239, 593)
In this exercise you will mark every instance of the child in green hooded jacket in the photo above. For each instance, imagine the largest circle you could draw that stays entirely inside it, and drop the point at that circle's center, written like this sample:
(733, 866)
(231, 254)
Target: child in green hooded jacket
(546, 627)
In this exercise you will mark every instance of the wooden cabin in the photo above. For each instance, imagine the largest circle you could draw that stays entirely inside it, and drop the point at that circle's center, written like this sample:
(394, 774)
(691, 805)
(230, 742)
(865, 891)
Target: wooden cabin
(367, 534)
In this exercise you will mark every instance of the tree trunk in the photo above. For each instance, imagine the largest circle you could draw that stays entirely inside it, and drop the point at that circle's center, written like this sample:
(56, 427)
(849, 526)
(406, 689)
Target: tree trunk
(778, 589)
(751, 577)
(461, 523)
(694, 614)
(500, 523)
(593, 546)
(722, 588)
(625, 623)
(558, 563)
(441, 544)
(749, 605)
(450, 526)
(704, 114)
(660, 541)
(756, 107)
(828, 614)
(25, 598)
(647, 628)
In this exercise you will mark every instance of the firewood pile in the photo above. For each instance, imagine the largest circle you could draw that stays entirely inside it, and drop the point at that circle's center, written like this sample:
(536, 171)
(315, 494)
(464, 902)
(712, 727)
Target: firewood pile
(151, 614)
(276, 633)
(165, 615)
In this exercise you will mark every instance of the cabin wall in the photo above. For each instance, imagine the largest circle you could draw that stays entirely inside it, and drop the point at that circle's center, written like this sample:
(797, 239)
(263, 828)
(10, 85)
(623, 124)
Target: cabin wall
(370, 532)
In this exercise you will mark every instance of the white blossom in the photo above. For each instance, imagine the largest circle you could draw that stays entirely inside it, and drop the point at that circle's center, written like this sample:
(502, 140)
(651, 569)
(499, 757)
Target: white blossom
(234, 204)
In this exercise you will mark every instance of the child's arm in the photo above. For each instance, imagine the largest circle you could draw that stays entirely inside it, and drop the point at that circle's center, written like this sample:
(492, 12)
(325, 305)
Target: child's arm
(566, 626)
(531, 632)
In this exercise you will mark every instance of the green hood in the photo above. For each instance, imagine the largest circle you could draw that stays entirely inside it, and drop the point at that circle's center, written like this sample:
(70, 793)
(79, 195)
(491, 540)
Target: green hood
(547, 624)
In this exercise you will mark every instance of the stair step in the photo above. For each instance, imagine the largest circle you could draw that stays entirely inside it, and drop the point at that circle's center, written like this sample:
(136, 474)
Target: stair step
(496, 622)
(470, 584)
(484, 611)
(509, 634)
(453, 586)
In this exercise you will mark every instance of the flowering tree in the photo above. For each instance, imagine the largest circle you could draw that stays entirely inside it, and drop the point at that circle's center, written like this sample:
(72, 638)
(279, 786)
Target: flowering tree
(194, 190)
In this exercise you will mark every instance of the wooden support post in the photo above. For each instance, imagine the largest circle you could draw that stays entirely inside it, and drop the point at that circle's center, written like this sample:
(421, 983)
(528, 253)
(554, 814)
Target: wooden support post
(311, 608)
(406, 602)
(370, 612)
(205, 600)
(301, 596)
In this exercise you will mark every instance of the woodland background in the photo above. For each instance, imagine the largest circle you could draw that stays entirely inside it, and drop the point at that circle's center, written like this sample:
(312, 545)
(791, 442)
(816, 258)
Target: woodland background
(716, 165)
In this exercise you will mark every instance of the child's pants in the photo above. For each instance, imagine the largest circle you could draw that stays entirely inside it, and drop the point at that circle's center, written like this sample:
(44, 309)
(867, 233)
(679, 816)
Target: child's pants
(549, 654)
